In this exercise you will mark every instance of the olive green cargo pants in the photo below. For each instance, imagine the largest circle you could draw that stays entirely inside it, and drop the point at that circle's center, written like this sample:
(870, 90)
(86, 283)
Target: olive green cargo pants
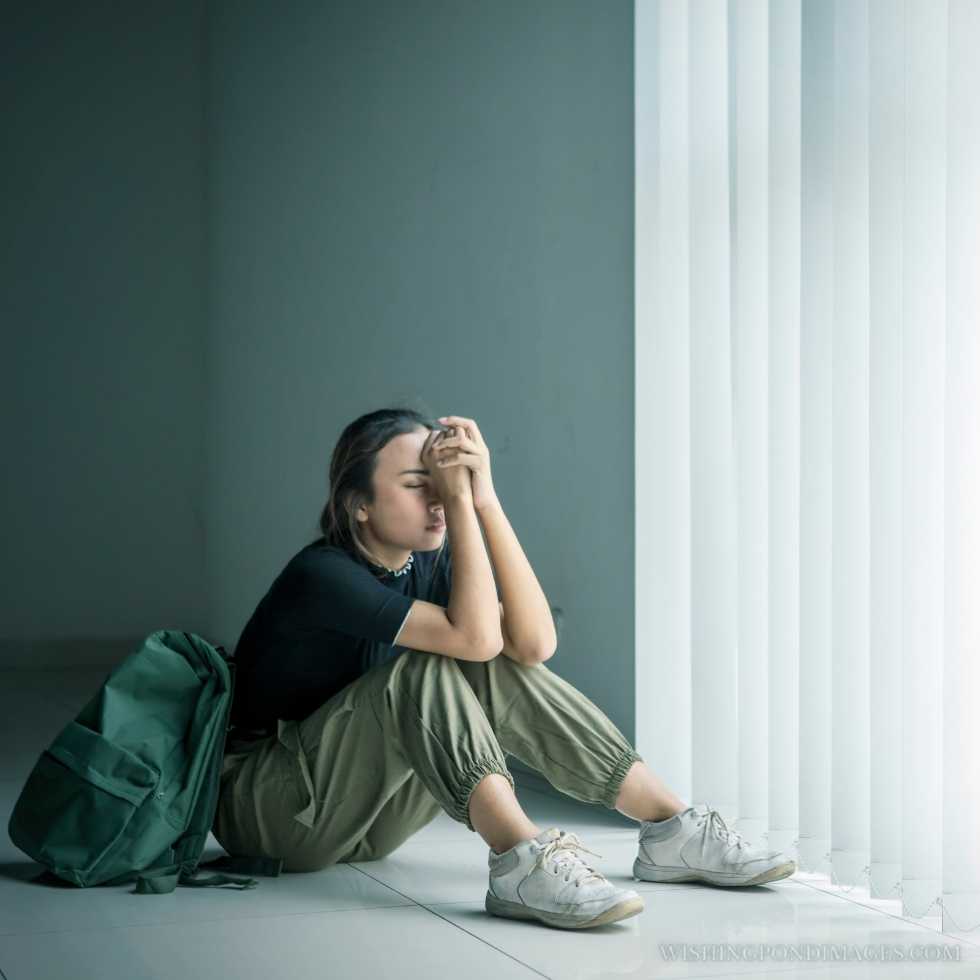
(410, 737)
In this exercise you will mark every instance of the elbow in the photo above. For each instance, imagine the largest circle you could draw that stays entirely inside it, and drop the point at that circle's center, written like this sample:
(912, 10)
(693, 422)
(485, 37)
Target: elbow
(546, 654)
(485, 649)
(492, 649)
(546, 650)
(537, 655)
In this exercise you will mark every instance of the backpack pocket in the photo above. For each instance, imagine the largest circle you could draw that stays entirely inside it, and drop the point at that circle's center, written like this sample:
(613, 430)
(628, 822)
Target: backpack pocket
(78, 801)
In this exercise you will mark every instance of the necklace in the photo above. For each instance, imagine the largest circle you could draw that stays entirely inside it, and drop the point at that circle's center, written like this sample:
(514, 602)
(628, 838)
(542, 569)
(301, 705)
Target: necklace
(401, 571)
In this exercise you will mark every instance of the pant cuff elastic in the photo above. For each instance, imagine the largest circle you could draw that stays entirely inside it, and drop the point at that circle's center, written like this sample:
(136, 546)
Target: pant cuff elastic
(470, 780)
(618, 777)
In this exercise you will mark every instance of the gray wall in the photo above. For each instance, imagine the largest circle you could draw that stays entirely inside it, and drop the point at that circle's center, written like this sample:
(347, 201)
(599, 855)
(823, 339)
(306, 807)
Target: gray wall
(430, 201)
(425, 202)
(101, 305)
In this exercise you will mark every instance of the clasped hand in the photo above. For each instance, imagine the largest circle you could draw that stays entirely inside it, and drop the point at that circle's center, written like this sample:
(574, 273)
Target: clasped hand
(462, 444)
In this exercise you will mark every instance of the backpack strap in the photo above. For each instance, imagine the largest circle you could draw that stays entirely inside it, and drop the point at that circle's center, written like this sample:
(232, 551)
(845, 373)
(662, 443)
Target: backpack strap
(165, 878)
(162, 881)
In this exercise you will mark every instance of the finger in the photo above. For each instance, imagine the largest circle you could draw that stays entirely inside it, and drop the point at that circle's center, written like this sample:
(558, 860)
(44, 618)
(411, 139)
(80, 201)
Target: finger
(469, 424)
(457, 420)
(457, 440)
(468, 459)
(461, 437)
(432, 443)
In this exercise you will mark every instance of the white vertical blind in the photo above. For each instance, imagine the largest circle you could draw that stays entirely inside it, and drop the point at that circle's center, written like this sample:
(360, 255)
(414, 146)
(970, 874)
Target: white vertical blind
(808, 422)
(923, 336)
(886, 166)
(816, 407)
(850, 461)
(783, 283)
(662, 390)
(713, 553)
(961, 717)
(749, 178)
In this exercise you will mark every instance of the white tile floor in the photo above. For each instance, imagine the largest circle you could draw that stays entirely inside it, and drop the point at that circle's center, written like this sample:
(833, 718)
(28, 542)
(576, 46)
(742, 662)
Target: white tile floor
(417, 913)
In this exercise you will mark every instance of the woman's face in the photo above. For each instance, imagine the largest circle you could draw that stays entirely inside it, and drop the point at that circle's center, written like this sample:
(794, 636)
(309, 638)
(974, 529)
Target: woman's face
(405, 501)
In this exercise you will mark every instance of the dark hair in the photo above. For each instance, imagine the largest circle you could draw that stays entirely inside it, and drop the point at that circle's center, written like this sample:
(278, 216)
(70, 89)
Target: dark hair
(352, 466)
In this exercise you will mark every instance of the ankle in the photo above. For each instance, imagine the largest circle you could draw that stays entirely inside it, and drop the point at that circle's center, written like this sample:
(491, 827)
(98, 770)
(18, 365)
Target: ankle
(665, 812)
(506, 843)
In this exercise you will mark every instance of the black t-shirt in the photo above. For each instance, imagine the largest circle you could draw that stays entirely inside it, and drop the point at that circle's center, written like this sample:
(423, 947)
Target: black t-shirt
(327, 618)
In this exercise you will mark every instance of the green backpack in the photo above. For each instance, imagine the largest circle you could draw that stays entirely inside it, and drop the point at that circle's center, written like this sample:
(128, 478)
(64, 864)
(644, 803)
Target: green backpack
(129, 789)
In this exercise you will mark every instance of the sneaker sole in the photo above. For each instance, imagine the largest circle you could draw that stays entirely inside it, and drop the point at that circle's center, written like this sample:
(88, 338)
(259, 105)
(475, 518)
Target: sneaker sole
(649, 872)
(562, 920)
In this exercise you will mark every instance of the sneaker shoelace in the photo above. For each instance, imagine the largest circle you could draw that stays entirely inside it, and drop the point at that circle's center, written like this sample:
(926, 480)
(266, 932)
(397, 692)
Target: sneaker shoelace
(563, 851)
(714, 823)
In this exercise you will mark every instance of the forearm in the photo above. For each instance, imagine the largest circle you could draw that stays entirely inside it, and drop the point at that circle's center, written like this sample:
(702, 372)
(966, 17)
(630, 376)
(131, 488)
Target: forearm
(473, 598)
(527, 615)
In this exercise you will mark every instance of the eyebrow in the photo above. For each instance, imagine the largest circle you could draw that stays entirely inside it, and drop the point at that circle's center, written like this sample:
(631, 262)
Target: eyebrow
(426, 472)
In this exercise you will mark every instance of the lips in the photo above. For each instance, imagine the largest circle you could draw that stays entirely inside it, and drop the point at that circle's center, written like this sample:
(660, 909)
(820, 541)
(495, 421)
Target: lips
(436, 527)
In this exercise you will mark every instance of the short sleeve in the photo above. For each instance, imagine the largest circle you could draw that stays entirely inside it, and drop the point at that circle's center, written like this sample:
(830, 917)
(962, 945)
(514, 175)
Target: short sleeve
(340, 594)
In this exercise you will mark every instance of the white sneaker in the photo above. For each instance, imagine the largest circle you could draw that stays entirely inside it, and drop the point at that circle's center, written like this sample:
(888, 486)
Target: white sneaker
(544, 878)
(697, 845)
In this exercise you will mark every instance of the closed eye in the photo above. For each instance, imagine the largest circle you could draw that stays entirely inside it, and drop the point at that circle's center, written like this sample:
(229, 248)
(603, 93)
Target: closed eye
(415, 486)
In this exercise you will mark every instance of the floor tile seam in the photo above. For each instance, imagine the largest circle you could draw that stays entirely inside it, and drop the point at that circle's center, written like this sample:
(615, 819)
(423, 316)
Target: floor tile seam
(428, 906)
